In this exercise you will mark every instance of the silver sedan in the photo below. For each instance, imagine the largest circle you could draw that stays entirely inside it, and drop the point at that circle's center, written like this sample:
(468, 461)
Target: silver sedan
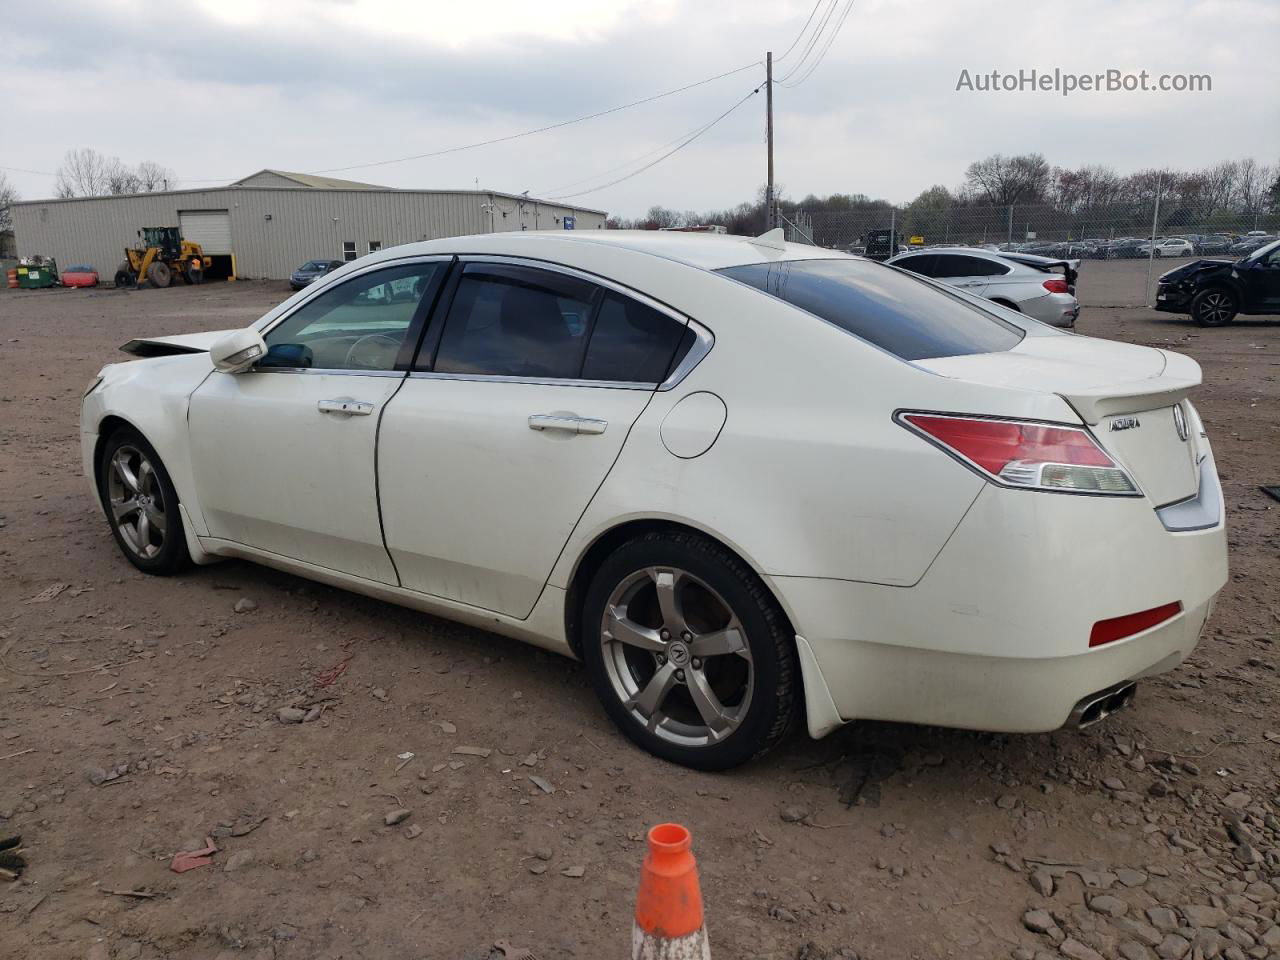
(1040, 287)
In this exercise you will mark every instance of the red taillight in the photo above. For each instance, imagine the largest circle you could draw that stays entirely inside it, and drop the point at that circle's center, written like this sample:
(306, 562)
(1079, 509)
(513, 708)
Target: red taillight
(1117, 628)
(1057, 285)
(1023, 454)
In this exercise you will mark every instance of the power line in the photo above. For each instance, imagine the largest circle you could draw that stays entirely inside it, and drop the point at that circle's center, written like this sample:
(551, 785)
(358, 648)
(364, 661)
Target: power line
(827, 46)
(551, 126)
(813, 40)
(654, 163)
(801, 33)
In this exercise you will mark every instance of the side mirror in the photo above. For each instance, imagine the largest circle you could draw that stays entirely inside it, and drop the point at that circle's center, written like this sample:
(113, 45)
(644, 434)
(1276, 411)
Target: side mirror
(237, 351)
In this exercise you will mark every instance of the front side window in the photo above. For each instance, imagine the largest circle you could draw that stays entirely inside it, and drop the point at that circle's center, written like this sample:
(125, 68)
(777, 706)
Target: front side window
(907, 317)
(359, 324)
(922, 264)
(516, 321)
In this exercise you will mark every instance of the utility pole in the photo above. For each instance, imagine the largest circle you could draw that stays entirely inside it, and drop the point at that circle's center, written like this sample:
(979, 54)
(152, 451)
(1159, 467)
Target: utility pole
(770, 220)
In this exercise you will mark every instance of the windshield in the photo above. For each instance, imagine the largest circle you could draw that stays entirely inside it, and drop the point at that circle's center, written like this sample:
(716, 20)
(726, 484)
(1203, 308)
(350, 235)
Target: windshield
(314, 265)
(890, 308)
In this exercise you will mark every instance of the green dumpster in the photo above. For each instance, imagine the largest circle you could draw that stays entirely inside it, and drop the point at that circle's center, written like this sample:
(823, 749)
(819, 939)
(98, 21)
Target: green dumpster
(37, 272)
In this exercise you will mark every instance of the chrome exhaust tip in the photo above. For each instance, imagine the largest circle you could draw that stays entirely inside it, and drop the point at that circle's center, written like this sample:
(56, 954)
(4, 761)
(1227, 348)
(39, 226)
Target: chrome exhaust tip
(1098, 706)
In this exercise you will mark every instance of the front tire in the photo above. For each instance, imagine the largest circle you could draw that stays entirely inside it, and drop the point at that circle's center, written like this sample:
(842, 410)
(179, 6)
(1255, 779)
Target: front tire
(141, 505)
(688, 651)
(1214, 308)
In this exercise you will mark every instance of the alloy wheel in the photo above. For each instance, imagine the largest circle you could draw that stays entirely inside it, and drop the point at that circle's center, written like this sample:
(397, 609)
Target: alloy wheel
(677, 656)
(137, 501)
(1215, 309)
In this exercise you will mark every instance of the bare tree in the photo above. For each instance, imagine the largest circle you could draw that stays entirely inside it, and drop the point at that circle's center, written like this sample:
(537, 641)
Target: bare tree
(1002, 180)
(1252, 185)
(153, 176)
(8, 197)
(82, 173)
(88, 173)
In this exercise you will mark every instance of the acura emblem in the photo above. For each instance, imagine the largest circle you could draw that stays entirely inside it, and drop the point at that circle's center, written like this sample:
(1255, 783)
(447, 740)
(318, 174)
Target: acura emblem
(1180, 422)
(1125, 423)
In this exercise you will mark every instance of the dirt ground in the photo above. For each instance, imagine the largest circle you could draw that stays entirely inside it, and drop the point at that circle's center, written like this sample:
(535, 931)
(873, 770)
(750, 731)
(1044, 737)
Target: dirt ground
(138, 716)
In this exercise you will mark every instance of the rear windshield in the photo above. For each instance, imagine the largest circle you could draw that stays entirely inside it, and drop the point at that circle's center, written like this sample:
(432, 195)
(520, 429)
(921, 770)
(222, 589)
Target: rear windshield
(908, 317)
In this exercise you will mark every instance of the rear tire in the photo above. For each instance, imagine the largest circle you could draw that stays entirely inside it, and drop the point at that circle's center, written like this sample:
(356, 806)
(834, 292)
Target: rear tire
(1214, 307)
(159, 274)
(141, 504)
(688, 652)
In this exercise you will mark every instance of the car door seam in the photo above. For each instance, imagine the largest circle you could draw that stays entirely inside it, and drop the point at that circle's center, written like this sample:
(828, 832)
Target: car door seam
(377, 477)
(587, 506)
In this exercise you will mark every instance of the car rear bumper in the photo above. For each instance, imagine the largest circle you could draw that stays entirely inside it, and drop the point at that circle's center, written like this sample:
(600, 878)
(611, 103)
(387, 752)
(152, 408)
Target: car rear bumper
(995, 636)
(1055, 309)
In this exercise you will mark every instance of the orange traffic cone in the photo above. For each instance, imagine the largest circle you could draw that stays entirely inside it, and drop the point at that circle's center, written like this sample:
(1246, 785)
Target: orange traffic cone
(669, 905)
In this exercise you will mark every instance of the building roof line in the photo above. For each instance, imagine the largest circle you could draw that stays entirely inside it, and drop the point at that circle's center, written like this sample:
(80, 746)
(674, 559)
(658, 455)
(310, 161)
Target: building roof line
(312, 191)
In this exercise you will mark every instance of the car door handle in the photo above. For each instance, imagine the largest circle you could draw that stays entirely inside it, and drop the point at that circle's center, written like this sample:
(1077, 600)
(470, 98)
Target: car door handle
(350, 408)
(567, 424)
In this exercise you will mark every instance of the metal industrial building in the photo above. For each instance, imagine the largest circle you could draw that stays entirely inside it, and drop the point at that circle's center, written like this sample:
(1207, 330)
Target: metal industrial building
(268, 224)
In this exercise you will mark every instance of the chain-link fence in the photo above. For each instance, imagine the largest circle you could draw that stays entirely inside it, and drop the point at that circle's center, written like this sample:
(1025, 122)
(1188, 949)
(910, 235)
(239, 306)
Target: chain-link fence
(1093, 231)
(1132, 231)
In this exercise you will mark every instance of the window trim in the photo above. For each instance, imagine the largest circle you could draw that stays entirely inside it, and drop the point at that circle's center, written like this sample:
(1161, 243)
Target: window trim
(417, 324)
(704, 339)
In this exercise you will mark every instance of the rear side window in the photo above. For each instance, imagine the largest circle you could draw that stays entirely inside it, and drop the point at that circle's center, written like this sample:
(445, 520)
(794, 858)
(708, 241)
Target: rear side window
(959, 265)
(893, 310)
(631, 342)
(516, 321)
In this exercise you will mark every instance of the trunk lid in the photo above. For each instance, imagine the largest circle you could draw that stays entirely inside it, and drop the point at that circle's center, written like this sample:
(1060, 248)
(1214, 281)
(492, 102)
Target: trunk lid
(1126, 393)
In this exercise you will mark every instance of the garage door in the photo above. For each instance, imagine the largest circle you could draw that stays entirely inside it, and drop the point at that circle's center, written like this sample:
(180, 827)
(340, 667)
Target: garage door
(209, 228)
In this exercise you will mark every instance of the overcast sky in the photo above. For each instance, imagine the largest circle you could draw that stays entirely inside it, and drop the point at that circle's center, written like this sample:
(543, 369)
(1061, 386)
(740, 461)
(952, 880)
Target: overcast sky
(217, 89)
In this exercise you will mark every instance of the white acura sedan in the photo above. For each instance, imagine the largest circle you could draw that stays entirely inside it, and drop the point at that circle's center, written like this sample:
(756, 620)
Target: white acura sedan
(742, 480)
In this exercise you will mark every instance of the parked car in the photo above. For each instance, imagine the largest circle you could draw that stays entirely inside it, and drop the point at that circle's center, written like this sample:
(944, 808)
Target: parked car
(1168, 247)
(1214, 292)
(1211, 244)
(311, 271)
(1126, 248)
(1020, 281)
(80, 275)
(743, 480)
(1246, 245)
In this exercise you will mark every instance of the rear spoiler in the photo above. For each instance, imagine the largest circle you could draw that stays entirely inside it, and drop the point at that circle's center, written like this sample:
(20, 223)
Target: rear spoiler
(1180, 376)
(1070, 268)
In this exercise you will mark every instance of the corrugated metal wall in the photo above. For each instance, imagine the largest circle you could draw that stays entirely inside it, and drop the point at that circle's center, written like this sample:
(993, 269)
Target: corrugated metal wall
(274, 231)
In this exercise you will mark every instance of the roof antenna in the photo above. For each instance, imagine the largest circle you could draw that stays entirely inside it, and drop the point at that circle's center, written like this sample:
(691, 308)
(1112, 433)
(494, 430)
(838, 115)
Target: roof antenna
(775, 239)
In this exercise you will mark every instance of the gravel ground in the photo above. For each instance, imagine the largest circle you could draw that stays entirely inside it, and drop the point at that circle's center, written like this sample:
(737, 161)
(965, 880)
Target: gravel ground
(140, 716)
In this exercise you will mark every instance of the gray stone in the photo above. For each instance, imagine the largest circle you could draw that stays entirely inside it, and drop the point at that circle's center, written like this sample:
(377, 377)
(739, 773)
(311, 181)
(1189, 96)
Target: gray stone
(1131, 878)
(291, 715)
(782, 913)
(793, 814)
(1113, 783)
(1132, 950)
(1199, 915)
(1260, 891)
(99, 951)
(1038, 921)
(1140, 931)
(238, 860)
(1173, 947)
(245, 605)
(1108, 905)
(1042, 882)
(1238, 800)
(284, 933)
(1078, 951)
(394, 817)
(1007, 801)
(1163, 919)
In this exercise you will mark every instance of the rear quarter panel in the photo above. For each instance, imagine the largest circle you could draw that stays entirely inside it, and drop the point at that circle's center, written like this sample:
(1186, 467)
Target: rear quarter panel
(810, 475)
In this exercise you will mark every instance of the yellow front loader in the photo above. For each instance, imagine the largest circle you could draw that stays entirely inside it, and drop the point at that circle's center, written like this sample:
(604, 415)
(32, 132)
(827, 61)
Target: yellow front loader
(162, 254)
